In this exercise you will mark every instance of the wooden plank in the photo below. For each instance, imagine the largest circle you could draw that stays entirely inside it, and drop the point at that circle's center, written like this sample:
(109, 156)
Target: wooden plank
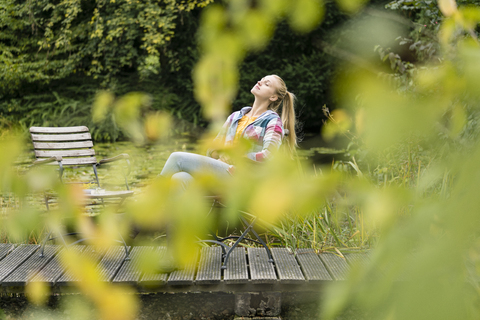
(312, 267)
(129, 272)
(362, 259)
(75, 129)
(287, 267)
(185, 276)
(111, 263)
(15, 259)
(89, 253)
(110, 194)
(63, 145)
(261, 270)
(5, 249)
(210, 266)
(74, 162)
(357, 259)
(237, 270)
(155, 279)
(55, 268)
(30, 267)
(61, 137)
(336, 266)
(64, 153)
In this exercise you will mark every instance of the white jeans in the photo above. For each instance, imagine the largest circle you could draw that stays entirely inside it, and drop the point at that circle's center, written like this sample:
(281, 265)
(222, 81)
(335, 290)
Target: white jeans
(183, 166)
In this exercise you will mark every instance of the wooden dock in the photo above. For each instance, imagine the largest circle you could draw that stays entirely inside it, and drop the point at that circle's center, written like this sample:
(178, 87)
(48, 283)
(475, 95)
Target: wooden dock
(248, 269)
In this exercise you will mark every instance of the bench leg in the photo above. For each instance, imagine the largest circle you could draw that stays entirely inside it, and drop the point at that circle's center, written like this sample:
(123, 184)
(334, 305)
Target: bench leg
(44, 243)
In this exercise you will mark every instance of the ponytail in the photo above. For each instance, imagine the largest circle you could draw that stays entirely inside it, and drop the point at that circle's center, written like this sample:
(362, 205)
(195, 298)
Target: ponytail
(289, 121)
(287, 100)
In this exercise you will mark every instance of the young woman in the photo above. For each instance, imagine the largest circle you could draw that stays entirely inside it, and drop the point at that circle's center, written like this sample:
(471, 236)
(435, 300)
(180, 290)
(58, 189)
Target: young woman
(260, 123)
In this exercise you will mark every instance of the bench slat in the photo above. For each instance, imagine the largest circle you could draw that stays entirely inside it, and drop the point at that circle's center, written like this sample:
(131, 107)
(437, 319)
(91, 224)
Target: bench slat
(210, 266)
(75, 161)
(64, 153)
(312, 266)
(61, 137)
(237, 271)
(110, 194)
(15, 259)
(58, 129)
(287, 266)
(261, 270)
(63, 145)
(336, 266)
(30, 267)
(185, 276)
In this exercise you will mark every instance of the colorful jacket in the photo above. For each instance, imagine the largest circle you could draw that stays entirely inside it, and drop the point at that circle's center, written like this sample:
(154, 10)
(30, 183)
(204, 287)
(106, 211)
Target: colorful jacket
(266, 133)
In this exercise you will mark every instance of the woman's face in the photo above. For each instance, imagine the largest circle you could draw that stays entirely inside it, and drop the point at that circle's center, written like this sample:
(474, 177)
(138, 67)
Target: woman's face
(266, 88)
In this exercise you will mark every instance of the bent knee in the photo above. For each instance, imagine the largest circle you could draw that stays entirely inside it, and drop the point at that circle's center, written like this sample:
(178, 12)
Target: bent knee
(182, 179)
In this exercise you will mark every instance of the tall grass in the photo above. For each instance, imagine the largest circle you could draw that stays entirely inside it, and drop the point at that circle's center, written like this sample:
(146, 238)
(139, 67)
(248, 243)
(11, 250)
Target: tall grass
(340, 225)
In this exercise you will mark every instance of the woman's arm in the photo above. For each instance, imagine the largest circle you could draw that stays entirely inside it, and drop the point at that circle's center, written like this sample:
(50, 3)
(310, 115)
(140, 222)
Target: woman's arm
(272, 140)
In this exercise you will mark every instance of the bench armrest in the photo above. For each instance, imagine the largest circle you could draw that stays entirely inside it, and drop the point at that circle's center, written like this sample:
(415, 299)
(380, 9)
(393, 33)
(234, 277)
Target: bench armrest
(119, 157)
(46, 160)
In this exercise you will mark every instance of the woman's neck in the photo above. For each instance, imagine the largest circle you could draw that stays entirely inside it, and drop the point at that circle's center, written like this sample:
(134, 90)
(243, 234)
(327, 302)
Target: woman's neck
(259, 107)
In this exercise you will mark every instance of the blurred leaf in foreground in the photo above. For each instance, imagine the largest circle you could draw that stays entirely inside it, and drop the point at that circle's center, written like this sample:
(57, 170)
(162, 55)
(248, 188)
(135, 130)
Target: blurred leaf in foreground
(418, 269)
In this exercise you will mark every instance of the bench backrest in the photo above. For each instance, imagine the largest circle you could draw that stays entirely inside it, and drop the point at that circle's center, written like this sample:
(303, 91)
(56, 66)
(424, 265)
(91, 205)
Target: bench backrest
(73, 144)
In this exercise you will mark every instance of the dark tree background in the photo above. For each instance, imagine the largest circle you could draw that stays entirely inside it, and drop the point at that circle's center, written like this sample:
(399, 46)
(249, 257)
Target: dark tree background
(55, 59)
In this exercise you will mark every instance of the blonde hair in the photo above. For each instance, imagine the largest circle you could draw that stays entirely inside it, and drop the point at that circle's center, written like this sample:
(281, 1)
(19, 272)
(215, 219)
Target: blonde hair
(287, 100)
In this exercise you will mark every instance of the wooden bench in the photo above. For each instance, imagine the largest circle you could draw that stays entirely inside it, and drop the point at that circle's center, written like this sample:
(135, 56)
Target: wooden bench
(73, 147)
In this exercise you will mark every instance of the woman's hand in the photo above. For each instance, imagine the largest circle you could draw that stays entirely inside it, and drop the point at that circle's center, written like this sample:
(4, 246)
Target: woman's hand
(219, 156)
(225, 159)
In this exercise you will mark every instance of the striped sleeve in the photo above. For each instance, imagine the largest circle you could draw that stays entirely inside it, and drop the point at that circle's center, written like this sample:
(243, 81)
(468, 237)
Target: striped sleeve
(272, 140)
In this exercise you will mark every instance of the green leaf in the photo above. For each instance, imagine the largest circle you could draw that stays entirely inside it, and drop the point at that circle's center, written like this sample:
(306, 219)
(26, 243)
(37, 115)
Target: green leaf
(351, 6)
(306, 14)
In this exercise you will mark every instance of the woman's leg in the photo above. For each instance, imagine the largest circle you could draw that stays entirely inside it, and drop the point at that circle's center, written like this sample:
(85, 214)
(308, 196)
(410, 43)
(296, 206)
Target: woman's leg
(182, 179)
(193, 164)
(182, 168)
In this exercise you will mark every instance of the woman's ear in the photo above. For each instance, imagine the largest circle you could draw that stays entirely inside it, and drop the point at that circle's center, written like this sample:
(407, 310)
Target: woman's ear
(274, 98)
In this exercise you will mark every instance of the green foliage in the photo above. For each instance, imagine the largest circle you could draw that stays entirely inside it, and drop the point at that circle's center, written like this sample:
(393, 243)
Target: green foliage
(44, 40)
(333, 227)
(296, 57)
(409, 184)
(55, 59)
(422, 147)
